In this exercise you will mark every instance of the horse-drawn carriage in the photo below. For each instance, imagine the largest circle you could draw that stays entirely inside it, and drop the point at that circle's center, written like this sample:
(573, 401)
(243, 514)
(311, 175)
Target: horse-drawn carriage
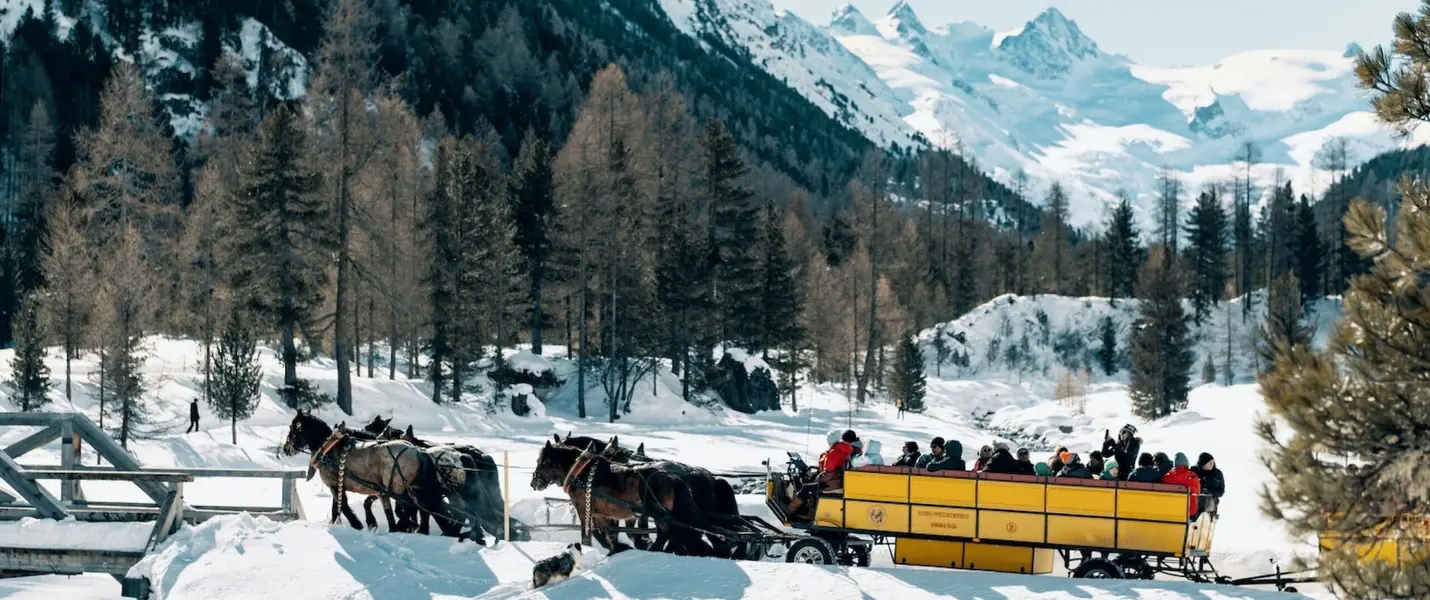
(1007, 523)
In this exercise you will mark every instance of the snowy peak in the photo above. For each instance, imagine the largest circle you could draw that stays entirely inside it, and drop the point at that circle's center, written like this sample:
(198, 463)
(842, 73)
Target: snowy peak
(847, 19)
(1048, 46)
(903, 18)
(1353, 50)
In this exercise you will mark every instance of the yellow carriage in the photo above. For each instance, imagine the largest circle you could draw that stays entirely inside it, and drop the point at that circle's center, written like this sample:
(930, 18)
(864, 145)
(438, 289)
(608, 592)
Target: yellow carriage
(1005, 523)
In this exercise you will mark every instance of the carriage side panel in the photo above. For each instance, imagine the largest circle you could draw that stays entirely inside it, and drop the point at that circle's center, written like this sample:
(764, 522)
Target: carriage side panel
(1083, 500)
(887, 485)
(944, 490)
(928, 553)
(1007, 559)
(1008, 526)
(1086, 532)
(1152, 504)
(998, 494)
(1147, 536)
(829, 511)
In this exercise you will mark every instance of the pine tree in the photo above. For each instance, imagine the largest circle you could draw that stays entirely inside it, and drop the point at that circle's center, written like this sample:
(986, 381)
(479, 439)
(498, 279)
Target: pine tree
(279, 249)
(1244, 234)
(908, 381)
(1124, 250)
(1160, 343)
(30, 375)
(1310, 253)
(734, 235)
(780, 301)
(1284, 324)
(1168, 210)
(1209, 370)
(1206, 254)
(1361, 401)
(534, 206)
(236, 374)
(1107, 346)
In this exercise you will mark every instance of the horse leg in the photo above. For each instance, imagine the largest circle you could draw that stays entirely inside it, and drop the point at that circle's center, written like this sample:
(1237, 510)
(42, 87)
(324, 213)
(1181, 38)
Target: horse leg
(348, 512)
(368, 517)
(607, 538)
(640, 540)
(387, 512)
(334, 516)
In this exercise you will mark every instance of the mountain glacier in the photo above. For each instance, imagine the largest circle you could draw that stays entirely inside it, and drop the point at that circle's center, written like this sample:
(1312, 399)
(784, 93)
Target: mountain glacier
(1046, 100)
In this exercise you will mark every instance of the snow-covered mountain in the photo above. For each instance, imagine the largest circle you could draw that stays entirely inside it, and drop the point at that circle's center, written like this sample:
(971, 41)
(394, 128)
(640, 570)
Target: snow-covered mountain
(1047, 100)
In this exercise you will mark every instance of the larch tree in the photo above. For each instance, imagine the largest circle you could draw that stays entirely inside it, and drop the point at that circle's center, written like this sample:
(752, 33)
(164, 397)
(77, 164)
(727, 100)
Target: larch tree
(29, 375)
(280, 247)
(338, 98)
(128, 282)
(1168, 211)
(1243, 238)
(869, 195)
(1160, 342)
(68, 265)
(1206, 254)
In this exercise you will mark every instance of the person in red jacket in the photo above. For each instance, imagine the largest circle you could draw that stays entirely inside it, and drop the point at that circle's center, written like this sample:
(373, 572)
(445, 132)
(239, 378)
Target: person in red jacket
(1183, 476)
(831, 470)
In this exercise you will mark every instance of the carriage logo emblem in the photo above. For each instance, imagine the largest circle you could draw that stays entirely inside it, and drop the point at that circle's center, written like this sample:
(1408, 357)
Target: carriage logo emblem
(876, 515)
(1011, 527)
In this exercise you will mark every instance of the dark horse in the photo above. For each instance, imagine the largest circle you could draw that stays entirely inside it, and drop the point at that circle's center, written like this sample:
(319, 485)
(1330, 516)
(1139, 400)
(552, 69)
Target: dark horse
(479, 499)
(604, 492)
(349, 463)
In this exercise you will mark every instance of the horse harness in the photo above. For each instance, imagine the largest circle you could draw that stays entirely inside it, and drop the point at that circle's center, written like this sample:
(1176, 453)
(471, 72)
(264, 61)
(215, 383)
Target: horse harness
(582, 466)
(324, 456)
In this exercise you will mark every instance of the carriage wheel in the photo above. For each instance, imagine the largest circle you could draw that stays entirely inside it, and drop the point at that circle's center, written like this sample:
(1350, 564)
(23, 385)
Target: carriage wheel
(810, 550)
(1097, 568)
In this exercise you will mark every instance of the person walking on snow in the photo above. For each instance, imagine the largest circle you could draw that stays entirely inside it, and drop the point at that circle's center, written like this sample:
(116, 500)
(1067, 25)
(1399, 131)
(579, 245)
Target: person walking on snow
(193, 416)
(899, 404)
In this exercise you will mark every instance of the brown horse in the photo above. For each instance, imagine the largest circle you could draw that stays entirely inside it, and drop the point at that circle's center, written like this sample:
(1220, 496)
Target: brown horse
(392, 468)
(713, 496)
(604, 492)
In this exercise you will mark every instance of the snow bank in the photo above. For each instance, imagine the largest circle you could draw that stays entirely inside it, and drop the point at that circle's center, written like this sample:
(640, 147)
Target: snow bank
(526, 362)
(643, 575)
(241, 557)
(70, 534)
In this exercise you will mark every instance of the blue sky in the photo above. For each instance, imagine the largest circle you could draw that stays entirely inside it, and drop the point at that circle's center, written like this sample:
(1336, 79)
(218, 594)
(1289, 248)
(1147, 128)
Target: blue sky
(1166, 32)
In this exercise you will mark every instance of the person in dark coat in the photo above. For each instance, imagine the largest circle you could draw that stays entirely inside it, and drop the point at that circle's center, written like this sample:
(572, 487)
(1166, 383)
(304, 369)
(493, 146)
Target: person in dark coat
(940, 458)
(1002, 461)
(1125, 448)
(910, 457)
(1025, 463)
(1213, 484)
(1146, 471)
(1073, 468)
(1056, 462)
(193, 416)
(1095, 462)
(1164, 463)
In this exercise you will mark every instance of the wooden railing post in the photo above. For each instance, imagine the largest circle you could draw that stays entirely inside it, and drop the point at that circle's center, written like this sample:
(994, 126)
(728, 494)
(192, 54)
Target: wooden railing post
(68, 458)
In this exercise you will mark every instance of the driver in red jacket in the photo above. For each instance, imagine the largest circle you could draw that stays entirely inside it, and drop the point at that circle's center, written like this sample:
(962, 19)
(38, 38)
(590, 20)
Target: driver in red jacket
(831, 469)
(1183, 476)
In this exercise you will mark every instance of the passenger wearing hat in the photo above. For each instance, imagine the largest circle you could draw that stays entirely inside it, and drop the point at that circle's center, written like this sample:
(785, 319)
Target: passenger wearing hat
(1025, 463)
(1073, 467)
(1183, 476)
(1213, 484)
(1002, 461)
(1146, 471)
(911, 455)
(1109, 470)
(1125, 448)
(1059, 458)
(984, 453)
(1042, 469)
(942, 458)
(831, 470)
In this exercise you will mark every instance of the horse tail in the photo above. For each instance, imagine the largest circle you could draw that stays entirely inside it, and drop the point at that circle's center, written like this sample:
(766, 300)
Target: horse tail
(725, 503)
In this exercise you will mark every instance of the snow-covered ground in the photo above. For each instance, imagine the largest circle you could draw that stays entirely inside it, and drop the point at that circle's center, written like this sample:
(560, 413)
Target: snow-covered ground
(241, 557)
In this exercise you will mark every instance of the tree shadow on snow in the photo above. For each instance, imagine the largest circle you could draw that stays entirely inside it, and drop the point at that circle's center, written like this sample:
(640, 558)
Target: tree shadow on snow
(413, 567)
(639, 575)
(990, 586)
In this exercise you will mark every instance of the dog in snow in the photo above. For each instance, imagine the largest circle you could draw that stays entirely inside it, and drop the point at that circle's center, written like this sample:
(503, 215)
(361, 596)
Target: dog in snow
(557, 568)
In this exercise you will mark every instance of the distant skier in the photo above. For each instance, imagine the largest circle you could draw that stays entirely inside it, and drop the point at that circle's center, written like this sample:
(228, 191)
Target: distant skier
(193, 416)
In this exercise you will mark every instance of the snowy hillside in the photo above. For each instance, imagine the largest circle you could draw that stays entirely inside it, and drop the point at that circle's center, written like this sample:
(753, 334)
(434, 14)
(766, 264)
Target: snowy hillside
(1045, 99)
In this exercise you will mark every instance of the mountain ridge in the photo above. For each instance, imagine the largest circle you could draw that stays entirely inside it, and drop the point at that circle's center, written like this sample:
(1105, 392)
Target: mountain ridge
(1047, 100)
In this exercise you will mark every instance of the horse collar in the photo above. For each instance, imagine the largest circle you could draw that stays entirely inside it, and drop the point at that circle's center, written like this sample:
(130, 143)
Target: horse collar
(322, 452)
(576, 470)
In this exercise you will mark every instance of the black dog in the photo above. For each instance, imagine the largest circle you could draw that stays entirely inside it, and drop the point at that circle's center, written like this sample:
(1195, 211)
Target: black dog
(557, 568)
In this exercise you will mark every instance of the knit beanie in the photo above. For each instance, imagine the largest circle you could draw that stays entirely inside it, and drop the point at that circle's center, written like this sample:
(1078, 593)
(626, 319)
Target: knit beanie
(1180, 460)
(1065, 456)
(1042, 469)
(1203, 459)
(1108, 466)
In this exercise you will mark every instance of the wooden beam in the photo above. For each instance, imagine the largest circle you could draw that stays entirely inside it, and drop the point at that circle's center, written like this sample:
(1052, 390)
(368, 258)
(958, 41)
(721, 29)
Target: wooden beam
(69, 452)
(244, 473)
(37, 496)
(14, 419)
(67, 562)
(116, 455)
(33, 441)
(107, 475)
